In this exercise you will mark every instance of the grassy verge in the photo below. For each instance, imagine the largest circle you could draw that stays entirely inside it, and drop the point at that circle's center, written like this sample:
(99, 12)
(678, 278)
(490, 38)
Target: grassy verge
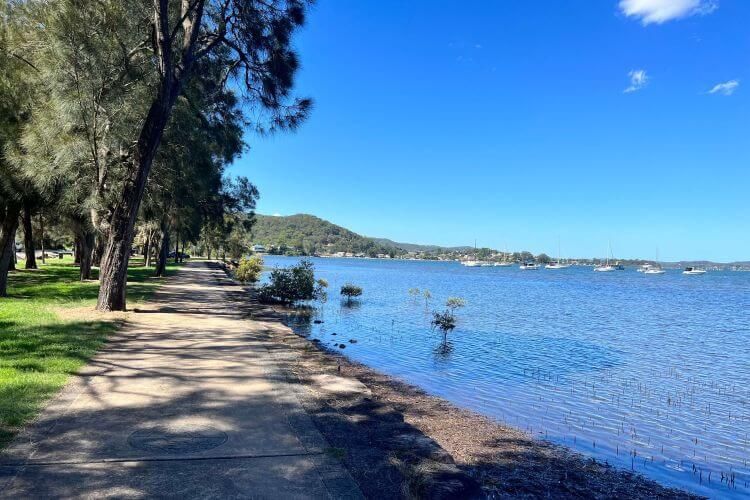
(40, 346)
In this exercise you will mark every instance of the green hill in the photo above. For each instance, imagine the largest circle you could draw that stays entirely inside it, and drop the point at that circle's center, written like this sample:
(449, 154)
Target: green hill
(304, 234)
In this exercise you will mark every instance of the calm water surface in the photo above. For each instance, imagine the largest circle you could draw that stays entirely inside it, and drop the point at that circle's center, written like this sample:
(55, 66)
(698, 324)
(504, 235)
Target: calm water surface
(650, 373)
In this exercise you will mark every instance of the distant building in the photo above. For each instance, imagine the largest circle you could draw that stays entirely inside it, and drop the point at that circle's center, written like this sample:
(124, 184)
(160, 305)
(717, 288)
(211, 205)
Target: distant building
(259, 249)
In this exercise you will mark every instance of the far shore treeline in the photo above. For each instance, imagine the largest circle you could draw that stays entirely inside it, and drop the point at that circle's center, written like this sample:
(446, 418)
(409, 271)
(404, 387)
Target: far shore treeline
(118, 119)
(307, 235)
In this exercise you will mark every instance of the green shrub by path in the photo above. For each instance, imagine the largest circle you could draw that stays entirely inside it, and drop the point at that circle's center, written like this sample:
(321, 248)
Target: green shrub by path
(249, 269)
(39, 348)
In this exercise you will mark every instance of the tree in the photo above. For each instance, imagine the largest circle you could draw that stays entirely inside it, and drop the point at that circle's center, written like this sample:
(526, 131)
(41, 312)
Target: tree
(250, 39)
(14, 111)
(350, 291)
(446, 321)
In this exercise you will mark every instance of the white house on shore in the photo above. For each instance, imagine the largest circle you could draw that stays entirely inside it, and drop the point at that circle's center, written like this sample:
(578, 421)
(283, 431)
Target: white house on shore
(259, 249)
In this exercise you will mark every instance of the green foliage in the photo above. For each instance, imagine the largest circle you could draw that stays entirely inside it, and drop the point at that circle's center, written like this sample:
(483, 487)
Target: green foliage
(307, 235)
(543, 258)
(291, 284)
(321, 287)
(350, 291)
(454, 303)
(249, 269)
(446, 321)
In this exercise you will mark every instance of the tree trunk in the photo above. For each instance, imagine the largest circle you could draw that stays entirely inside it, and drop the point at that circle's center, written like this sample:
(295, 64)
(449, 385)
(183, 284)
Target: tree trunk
(114, 269)
(77, 250)
(161, 264)
(177, 250)
(147, 250)
(96, 256)
(87, 250)
(7, 246)
(28, 238)
(41, 233)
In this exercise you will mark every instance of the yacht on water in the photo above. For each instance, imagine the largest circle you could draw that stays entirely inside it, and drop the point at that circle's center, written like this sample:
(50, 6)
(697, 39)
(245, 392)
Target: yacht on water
(655, 268)
(529, 266)
(693, 271)
(607, 267)
(557, 264)
(472, 263)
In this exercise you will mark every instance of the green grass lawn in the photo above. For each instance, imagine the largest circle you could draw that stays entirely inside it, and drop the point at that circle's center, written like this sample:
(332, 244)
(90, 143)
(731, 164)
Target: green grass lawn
(40, 348)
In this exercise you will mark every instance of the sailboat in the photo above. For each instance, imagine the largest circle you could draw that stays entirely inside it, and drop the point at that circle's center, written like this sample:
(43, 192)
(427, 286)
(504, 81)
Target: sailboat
(607, 267)
(473, 262)
(656, 268)
(558, 264)
(505, 262)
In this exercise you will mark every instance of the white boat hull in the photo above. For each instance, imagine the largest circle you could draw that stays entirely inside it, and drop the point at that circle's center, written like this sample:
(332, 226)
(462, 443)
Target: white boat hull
(604, 269)
(694, 273)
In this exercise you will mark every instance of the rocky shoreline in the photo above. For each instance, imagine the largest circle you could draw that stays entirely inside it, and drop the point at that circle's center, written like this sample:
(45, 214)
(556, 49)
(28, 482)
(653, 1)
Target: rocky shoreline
(399, 442)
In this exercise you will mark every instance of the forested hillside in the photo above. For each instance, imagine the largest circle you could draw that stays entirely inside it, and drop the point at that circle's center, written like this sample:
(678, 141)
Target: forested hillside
(304, 234)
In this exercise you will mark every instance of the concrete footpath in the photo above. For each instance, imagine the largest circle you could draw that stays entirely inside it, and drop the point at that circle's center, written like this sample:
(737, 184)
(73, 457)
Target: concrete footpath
(188, 399)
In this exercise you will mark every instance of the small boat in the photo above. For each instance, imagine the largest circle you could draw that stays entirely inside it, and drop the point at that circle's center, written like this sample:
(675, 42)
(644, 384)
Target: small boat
(654, 270)
(472, 263)
(643, 268)
(607, 267)
(556, 265)
(529, 266)
(604, 269)
(504, 263)
(693, 271)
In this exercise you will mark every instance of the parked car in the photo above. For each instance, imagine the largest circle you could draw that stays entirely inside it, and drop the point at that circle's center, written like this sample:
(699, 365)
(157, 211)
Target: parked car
(172, 255)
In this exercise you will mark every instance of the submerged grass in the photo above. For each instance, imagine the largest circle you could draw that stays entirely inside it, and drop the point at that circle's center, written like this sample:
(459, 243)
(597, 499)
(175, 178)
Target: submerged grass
(41, 345)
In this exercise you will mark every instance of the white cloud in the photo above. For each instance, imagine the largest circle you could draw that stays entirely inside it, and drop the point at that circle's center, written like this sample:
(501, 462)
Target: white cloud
(638, 80)
(277, 215)
(726, 88)
(661, 11)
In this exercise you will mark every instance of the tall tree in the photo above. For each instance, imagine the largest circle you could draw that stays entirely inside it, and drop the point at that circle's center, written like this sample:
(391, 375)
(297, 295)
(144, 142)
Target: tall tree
(251, 41)
(14, 111)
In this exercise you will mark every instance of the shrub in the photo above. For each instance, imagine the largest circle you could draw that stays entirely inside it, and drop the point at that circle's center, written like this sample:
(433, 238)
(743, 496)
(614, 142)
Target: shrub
(350, 291)
(290, 285)
(248, 271)
(446, 321)
(454, 303)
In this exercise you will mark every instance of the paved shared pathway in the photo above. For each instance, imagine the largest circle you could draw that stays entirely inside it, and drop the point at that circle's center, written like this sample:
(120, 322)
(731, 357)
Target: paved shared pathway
(188, 399)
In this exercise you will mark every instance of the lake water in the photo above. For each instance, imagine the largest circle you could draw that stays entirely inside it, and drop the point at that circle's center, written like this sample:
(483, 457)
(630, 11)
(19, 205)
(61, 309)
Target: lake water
(647, 372)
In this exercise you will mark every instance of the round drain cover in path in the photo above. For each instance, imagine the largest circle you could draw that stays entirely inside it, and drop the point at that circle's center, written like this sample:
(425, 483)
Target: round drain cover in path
(177, 440)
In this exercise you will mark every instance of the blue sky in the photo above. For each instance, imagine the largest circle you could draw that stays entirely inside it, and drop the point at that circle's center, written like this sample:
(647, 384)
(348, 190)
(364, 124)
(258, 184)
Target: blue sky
(516, 123)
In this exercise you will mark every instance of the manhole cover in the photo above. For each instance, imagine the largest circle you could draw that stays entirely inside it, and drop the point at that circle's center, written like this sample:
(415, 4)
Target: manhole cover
(177, 440)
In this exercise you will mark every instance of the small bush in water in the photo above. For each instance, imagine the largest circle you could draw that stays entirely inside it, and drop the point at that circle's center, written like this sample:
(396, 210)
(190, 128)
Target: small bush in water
(248, 271)
(446, 321)
(350, 291)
